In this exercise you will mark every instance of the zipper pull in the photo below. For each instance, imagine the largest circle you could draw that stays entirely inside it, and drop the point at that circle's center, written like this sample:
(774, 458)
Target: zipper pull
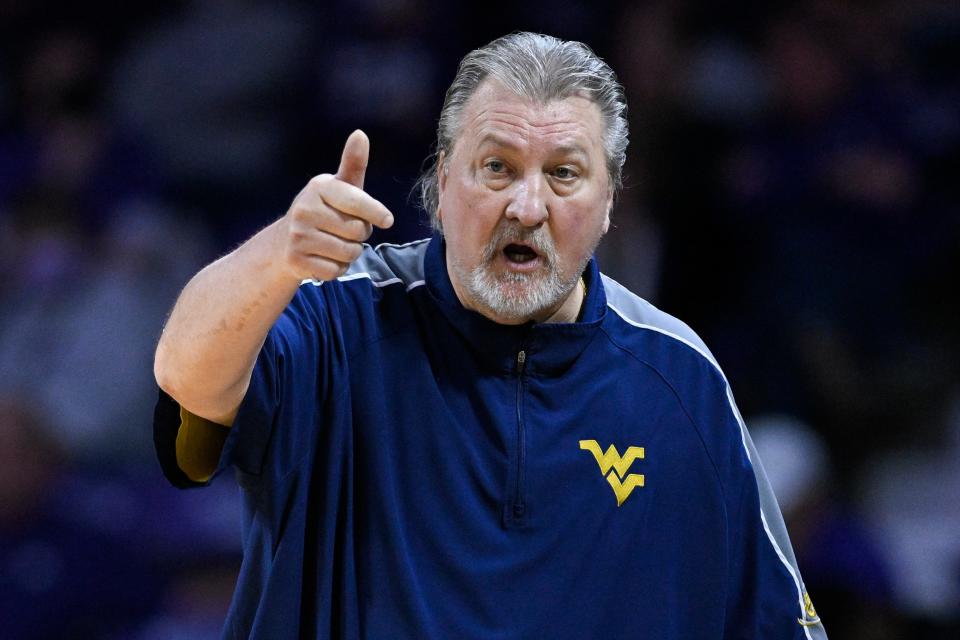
(521, 359)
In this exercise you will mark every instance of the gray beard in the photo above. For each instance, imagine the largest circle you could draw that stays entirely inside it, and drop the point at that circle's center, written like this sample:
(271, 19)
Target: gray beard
(518, 297)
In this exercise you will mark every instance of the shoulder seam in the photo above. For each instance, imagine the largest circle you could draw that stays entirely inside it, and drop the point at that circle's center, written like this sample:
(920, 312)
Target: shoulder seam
(670, 334)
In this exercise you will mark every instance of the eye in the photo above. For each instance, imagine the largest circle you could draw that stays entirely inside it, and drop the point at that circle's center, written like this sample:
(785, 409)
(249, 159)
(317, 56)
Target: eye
(495, 166)
(565, 172)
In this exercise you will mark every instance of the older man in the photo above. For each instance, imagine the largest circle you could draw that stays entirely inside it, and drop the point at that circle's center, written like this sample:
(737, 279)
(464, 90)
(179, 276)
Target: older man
(476, 435)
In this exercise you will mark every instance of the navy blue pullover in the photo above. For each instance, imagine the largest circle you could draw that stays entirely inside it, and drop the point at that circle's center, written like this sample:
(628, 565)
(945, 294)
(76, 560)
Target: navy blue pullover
(411, 469)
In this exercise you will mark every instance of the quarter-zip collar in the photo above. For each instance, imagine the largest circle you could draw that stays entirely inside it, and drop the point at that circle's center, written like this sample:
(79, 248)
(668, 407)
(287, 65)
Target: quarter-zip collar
(552, 347)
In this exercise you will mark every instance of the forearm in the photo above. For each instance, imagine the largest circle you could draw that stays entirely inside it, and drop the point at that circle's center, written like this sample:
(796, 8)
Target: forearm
(210, 342)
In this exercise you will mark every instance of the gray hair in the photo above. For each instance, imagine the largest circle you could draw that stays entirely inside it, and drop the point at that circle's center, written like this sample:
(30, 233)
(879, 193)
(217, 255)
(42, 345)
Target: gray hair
(541, 68)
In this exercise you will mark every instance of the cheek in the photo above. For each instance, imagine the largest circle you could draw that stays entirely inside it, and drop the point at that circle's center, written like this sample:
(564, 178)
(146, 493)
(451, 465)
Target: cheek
(579, 225)
(469, 219)
(478, 211)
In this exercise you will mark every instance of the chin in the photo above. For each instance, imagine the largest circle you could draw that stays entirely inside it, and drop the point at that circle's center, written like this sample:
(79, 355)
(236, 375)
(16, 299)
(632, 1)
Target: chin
(510, 297)
(517, 300)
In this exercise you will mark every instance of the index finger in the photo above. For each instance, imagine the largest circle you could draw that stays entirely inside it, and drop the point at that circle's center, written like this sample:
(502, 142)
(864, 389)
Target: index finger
(356, 202)
(353, 162)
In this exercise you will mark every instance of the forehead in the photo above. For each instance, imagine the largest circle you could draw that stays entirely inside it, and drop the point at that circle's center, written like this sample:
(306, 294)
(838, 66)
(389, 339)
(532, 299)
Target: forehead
(494, 112)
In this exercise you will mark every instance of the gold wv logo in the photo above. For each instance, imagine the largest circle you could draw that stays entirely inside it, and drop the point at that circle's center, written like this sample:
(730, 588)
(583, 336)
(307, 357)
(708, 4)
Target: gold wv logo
(620, 481)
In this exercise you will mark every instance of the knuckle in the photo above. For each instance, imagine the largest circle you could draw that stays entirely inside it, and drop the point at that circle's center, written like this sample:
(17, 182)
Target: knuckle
(342, 252)
(324, 271)
(355, 251)
(321, 180)
(298, 235)
(357, 230)
(299, 213)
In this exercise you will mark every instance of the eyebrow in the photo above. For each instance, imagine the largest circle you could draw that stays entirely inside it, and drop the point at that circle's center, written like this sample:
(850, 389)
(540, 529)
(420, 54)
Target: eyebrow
(501, 141)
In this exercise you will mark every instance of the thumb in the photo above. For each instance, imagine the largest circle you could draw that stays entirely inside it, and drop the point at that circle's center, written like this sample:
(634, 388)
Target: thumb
(353, 162)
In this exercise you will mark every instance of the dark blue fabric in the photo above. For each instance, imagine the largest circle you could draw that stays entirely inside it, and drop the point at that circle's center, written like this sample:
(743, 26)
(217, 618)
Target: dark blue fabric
(403, 478)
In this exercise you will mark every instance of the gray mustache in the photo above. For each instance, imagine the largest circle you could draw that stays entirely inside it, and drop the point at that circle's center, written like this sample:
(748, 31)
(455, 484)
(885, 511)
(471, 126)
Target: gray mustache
(512, 233)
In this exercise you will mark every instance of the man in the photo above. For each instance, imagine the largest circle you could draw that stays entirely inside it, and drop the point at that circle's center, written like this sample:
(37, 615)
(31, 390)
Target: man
(476, 435)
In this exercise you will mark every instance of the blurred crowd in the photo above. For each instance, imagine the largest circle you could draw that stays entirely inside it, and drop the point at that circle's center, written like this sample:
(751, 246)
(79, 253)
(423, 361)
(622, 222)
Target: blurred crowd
(791, 192)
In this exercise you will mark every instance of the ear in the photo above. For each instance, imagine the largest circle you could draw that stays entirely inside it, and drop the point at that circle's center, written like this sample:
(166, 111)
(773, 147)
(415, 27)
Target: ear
(606, 218)
(442, 171)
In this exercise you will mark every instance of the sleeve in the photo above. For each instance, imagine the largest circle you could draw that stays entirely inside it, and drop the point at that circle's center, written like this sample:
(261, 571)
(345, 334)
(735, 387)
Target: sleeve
(199, 445)
(767, 597)
(288, 376)
(166, 426)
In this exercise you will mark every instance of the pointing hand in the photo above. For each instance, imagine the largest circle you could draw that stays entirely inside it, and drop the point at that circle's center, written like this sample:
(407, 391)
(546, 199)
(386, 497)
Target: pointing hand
(321, 233)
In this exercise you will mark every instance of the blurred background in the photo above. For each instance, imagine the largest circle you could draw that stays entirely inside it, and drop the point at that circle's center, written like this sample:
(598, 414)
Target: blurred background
(791, 192)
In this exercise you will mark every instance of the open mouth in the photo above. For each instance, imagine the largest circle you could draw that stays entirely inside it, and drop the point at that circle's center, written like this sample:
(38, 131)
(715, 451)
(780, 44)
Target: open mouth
(519, 253)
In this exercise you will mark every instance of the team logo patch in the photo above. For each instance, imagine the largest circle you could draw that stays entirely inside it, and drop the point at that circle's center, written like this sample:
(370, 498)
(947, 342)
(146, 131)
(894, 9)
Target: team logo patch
(614, 467)
(810, 616)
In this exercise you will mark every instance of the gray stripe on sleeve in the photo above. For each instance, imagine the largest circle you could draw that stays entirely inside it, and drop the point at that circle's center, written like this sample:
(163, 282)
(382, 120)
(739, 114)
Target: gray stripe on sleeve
(641, 314)
(387, 264)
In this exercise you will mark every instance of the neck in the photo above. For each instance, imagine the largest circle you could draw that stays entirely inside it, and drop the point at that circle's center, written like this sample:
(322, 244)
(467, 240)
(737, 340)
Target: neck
(569, 311)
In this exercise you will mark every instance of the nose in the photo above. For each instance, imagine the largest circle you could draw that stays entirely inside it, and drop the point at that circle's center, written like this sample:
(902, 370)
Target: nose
(528, 202)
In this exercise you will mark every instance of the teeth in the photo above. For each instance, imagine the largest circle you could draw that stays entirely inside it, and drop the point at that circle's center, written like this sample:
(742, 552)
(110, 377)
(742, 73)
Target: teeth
(520, 254)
